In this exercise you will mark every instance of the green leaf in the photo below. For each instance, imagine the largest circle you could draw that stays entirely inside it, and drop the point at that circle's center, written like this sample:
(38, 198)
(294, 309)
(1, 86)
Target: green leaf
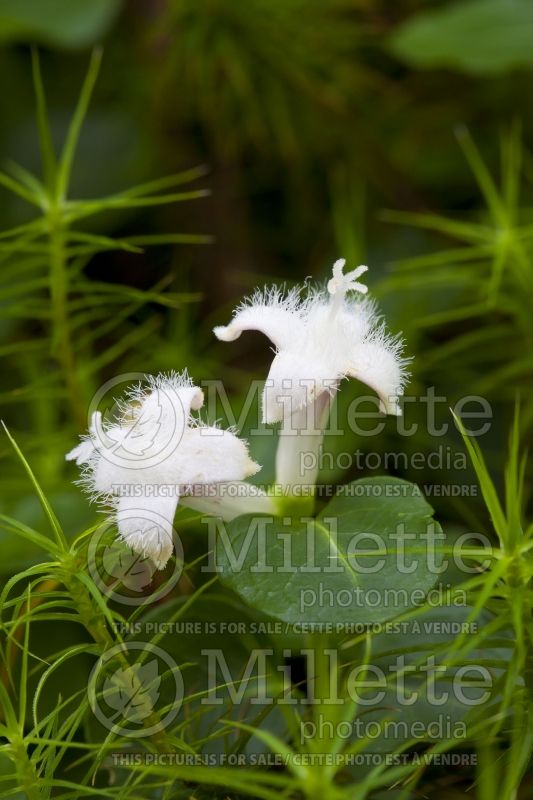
(369, 555)
(45, 137)
(65, 23)
(74, 129)
(47, 508)
(480, 37)
(488, 489)
(19, 529)
(238, 671)
(404, 650)
(17, 188)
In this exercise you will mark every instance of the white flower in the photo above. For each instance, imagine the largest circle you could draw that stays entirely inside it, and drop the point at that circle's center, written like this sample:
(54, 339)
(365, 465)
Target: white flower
(320, 339)
(155, 453)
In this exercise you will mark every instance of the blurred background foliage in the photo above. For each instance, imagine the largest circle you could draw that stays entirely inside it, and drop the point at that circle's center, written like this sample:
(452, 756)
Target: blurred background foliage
(221, 145)
(393, 134)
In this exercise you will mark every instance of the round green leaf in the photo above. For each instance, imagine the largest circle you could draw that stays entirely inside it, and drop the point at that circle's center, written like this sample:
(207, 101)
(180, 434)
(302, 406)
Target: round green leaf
(66, 23)
(479, 37)
(371, 554)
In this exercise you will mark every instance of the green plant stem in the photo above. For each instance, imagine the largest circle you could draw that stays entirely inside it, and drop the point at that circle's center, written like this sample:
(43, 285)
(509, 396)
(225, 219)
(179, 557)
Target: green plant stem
(95, 624)
(59, 290)
(92, 619)
(324, 713)
(26, 774)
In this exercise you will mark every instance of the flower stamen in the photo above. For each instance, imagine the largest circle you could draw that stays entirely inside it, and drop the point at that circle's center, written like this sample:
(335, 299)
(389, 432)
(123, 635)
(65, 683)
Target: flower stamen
(339, 285)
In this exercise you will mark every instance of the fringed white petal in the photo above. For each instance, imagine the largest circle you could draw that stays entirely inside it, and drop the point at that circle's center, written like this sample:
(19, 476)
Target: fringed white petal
(204, 455)
(378, 363)
(268, 312)
(155, 445)
(213, 455)
(144, 445)
(83, 453)
(146, 525)
(321, 338)
(156, 418)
